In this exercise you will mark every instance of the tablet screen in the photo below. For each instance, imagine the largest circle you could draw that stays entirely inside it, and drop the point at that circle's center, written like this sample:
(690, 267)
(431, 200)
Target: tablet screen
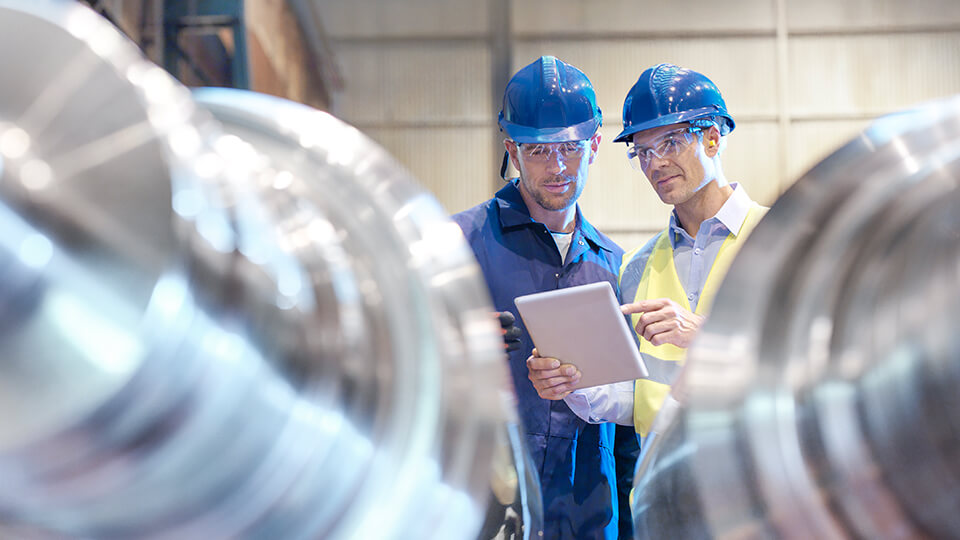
(583, 326)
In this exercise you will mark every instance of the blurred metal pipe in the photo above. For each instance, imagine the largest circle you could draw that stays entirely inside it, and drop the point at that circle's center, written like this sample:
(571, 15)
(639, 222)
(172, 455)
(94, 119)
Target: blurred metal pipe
(314, 173)
(213, 336)
(823, 399)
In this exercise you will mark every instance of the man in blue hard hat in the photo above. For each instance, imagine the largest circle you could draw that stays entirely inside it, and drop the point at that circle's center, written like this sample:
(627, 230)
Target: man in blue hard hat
(531, 237)
(675, 124)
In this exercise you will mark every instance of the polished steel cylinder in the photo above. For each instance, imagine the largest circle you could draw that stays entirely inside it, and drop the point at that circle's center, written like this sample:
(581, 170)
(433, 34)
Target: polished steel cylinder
(377, 240)
(823, 397)
(255, 329)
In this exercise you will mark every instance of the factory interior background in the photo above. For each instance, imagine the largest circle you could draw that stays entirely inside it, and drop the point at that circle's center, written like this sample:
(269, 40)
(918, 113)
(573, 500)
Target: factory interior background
(425, 78)
(226, 315)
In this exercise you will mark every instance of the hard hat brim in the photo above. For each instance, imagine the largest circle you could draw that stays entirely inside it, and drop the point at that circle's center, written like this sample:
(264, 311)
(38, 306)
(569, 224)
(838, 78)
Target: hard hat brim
(677, 118)
(526, 134)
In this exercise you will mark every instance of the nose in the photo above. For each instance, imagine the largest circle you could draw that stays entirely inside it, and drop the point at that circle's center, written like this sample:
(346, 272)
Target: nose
(556, 164)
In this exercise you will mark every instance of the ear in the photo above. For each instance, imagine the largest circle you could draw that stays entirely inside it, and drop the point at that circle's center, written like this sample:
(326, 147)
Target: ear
(512, 150)
(711, 141)
(594, 146)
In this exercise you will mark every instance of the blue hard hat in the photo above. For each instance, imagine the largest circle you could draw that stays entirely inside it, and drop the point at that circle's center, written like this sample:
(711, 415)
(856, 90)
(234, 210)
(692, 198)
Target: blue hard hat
(667, 94)
(549, 101)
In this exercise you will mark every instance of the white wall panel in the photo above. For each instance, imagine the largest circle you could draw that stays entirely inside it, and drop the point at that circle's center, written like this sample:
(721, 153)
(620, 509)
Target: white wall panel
(418, 78)
(416, 83)
(363, 100)
(871, 74)
(616, 196)
(630, 240)
(811, 142)
(751, 159)
(860, 14)
(552, 16)
(394, 18)
(452, 163)
(743, 68)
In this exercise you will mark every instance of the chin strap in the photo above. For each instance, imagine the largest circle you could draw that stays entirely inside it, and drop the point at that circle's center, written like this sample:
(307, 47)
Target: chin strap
(503, 166)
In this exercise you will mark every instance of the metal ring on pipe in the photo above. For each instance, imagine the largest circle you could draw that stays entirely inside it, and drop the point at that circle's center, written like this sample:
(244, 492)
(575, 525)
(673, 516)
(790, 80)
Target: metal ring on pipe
(203, 339)
(823, 400)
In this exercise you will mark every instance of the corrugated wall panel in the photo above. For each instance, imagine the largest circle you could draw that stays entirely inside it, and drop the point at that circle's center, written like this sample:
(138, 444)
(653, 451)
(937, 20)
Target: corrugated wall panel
(871, 74)
(453, 163)
(630, 240)
(417, 83)
(363, 101)
(379, 18)
(857, 14)
(418, 74)
(812, 141)
(751, 159)
(540, 17)
(448, 84)
(616, 196)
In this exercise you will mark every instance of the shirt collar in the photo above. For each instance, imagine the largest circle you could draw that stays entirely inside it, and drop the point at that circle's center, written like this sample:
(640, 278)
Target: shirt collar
(734, 211)
(514, 213)
(731, 215)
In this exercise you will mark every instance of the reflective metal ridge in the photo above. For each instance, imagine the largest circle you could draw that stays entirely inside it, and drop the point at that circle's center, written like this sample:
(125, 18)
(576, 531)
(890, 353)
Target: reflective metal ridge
(245, 324)
(823, 386)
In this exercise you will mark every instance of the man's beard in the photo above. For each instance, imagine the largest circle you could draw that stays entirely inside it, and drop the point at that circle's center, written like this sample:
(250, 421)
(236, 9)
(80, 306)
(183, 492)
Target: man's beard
(544, 199)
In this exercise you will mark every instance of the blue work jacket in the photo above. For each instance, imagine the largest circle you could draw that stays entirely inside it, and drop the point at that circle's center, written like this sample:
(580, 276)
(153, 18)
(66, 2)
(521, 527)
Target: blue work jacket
(575, 459)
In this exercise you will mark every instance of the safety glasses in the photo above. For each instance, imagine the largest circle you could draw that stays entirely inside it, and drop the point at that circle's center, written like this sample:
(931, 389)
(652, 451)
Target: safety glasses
(543, 152)
(667, 145)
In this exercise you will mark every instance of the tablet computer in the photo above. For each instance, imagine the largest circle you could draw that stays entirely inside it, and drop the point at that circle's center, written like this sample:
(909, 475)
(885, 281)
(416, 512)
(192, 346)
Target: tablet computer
(583, 326)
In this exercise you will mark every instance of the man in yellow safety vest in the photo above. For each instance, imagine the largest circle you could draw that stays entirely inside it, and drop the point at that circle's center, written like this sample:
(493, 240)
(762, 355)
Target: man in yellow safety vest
(675, 124)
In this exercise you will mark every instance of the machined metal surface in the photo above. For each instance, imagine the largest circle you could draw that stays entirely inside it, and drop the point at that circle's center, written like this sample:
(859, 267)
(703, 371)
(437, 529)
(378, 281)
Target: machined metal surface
(822, 388)
(314, 178)
(244, 324)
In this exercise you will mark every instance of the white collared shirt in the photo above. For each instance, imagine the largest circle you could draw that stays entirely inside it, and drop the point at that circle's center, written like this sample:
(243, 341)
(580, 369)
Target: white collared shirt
(693, 258)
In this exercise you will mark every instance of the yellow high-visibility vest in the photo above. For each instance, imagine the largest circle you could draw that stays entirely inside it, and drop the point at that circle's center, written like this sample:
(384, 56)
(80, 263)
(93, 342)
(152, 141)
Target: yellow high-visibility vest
(659, 280)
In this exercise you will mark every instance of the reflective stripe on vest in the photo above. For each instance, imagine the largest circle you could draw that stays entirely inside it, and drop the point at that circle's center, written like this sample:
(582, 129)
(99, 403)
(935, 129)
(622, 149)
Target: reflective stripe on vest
(659, 280)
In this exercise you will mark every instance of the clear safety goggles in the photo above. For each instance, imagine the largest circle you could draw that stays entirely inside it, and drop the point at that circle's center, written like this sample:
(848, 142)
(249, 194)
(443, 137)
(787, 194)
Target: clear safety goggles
(667, 145)
(551, 151)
